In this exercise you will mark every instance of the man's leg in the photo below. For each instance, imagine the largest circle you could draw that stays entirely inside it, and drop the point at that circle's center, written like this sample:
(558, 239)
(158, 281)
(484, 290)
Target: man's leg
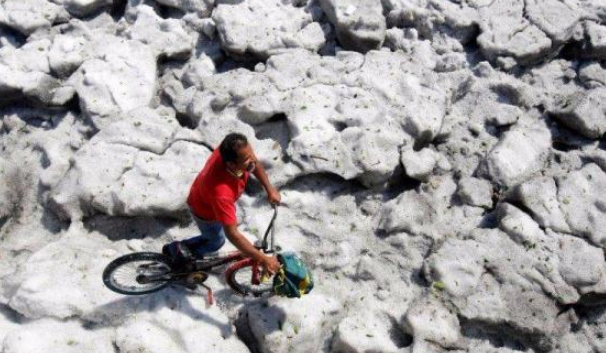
(211, 239)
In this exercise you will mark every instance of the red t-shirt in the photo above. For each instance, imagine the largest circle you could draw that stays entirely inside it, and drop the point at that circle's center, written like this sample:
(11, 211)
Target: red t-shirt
(214, 192)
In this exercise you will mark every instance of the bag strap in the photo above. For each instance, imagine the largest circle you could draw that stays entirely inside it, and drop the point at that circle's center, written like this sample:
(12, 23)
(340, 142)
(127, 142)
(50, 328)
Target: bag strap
(293, 287)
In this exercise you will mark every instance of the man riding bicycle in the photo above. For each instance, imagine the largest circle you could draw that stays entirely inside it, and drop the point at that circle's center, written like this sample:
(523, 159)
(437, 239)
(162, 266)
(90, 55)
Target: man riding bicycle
(212, 199)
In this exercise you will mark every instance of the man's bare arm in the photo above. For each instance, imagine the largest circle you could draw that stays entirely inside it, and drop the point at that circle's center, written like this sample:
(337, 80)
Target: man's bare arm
(261, 175)
(240, 242)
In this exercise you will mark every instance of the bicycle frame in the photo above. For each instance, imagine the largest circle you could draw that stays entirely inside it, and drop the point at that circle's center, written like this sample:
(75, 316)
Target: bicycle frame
(264, 246)
(235, 256)
(194, 272)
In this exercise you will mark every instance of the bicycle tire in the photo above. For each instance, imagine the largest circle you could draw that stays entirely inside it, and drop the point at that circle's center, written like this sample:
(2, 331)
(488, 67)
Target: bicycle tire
(111, 271)
(239, 277)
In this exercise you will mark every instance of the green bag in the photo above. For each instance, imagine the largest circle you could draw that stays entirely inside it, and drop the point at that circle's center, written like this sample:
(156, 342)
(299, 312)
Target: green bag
(293, 280)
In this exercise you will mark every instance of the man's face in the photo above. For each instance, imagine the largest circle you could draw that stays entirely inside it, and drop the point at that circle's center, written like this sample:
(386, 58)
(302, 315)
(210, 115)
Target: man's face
(246, 159)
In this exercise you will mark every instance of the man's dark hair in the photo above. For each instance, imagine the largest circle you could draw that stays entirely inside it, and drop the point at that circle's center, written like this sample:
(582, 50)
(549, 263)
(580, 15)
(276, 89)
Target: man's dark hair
(230, 145)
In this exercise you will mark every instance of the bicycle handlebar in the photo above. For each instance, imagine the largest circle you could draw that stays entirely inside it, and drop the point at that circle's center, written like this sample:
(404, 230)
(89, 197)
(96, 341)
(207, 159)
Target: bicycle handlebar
(270, 227)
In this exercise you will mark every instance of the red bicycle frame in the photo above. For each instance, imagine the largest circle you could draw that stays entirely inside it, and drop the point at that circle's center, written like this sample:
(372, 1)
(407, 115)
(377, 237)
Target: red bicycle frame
(256, 269)
(265, 247)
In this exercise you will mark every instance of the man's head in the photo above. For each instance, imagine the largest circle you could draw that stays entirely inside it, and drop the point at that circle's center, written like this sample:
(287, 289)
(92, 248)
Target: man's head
(237, 154)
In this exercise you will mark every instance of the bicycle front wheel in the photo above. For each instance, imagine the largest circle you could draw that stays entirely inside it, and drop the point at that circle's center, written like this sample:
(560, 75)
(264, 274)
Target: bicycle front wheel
(244, 277)
(138, 273)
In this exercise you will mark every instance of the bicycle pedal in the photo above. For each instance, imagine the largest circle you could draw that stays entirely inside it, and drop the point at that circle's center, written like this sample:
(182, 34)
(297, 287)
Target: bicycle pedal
(210, 298)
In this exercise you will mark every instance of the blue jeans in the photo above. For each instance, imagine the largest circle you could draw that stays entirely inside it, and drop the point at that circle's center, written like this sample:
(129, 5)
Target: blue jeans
(211, 239)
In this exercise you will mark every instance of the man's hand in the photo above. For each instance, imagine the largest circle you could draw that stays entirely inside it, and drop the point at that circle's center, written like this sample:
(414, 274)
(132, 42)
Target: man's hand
(273, 196)
(270, 264)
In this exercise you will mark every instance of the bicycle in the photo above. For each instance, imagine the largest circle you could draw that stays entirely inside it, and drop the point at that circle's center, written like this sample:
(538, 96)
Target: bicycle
(147, 272)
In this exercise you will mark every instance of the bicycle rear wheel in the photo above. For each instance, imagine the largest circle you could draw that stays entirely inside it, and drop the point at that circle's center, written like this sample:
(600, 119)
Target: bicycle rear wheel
(138, 273)
(244, 278)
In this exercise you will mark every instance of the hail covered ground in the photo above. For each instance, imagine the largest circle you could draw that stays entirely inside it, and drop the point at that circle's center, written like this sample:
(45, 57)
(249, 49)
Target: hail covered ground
(442, 167)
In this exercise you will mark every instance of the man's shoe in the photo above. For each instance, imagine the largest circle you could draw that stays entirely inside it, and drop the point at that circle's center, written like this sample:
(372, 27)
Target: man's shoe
(179, 254)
